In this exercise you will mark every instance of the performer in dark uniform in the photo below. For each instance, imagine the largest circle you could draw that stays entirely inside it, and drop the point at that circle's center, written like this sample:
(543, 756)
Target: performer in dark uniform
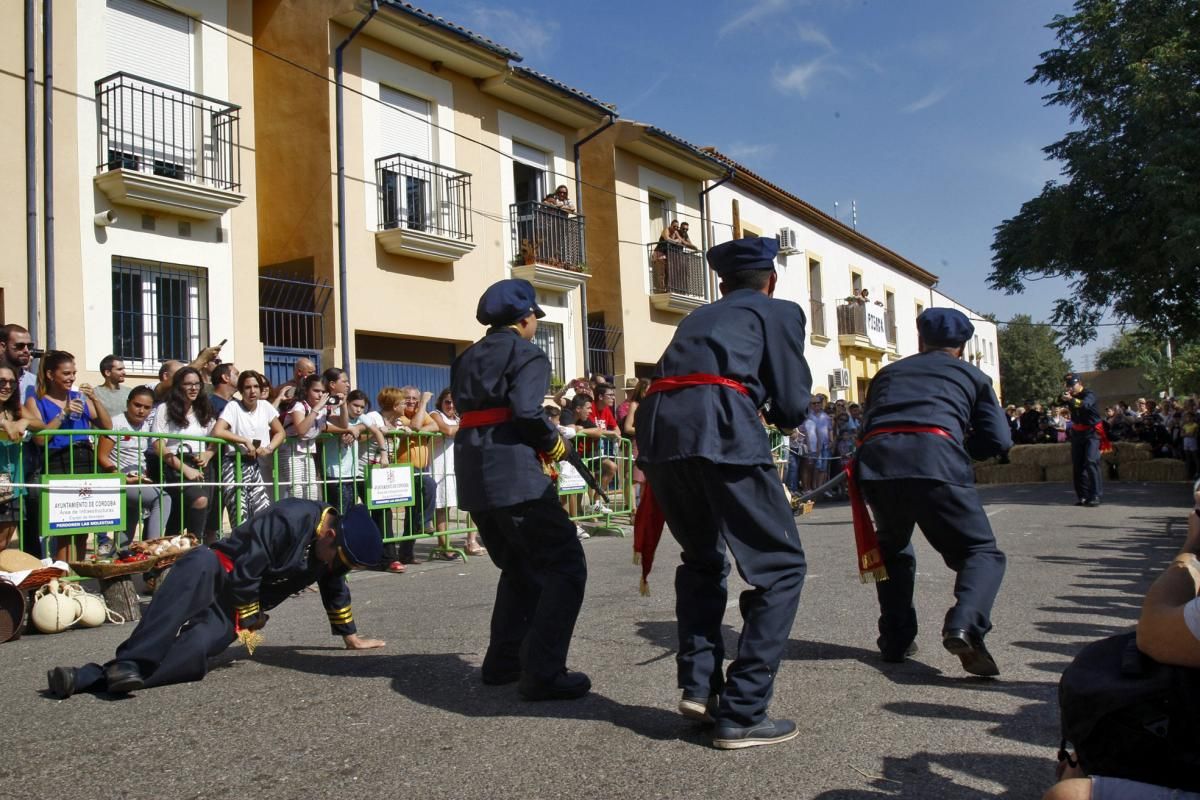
(502, 451)
(1088, 440)
(926, 416)
(217, 590)
(709, 467)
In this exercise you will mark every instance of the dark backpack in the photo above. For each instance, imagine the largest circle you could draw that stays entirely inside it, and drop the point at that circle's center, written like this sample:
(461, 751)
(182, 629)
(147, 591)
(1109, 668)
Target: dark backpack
(1129, 716)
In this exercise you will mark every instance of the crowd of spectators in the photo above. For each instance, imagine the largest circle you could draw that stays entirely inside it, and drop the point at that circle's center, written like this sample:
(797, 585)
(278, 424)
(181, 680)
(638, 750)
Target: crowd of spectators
(1169, 426)
(823, 446)
(209, 444)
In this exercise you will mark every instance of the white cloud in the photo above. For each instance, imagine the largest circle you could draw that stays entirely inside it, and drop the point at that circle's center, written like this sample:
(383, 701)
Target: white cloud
(755, 12)
(813, 35)
(930, 99)
(801, 78)
(529, 37)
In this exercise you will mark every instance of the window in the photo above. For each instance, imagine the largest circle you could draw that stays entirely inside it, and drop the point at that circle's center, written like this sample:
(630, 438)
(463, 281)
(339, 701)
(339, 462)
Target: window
(920, 309)
(549, 337)
(160, 312)
(889, 302)
(856, 282)
(659, 210)
(816, 308)
(405, 130)
(529, 173)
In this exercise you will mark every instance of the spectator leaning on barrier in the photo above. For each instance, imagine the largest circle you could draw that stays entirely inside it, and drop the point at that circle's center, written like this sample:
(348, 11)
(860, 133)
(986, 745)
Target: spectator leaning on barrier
(59, 407)
(418, 518)
(127, 454)
(252, 426)
(338, 454)
(185, 411)
(303, 423)
(110, 393)
(445, 417)
(13, 431)
(372, 447)
(606, 421)
(283, 395)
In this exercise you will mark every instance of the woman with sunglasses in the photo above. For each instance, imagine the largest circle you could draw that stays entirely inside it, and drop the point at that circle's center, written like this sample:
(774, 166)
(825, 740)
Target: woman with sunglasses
(59, 407)
(186, 411)
(13, 431)
(252, 426)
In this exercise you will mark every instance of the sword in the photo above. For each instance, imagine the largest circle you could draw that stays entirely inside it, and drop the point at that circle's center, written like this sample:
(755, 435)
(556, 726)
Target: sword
(832, 483)
(572, 457)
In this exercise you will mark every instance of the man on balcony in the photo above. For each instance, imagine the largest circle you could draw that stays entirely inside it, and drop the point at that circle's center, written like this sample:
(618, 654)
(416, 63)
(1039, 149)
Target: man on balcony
(709, 469)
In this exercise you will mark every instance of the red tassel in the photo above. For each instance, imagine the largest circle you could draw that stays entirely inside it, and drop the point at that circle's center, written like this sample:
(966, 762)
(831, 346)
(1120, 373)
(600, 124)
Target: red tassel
(870, 560)
(648, 525)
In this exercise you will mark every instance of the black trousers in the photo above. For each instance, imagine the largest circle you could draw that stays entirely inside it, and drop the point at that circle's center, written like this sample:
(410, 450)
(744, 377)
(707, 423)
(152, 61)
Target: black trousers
(954, 522)
(542, 577)
(188, 621)
(708, 508)
(1085, 461)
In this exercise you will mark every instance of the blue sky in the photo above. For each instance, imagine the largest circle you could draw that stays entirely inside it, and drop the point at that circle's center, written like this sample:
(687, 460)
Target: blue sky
(918, 111)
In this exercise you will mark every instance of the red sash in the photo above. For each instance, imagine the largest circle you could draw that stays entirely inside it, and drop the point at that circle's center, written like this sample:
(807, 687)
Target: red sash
(648, 521)
(225, 560)
(484, 417)
(870, 560)
(1105, 444)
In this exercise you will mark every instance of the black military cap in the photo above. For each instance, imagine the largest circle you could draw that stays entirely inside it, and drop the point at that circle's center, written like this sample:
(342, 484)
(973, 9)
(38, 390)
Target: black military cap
(358, 540)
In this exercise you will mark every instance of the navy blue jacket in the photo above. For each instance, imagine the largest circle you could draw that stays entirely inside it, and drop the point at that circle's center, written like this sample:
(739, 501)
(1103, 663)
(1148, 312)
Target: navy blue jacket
(273, 559)
(498, 466)
(750, 338)
(1084, 410)
(937, 389)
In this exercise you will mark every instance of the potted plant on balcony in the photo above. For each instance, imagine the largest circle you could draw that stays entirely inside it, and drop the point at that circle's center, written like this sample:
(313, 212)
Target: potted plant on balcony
(529, 250)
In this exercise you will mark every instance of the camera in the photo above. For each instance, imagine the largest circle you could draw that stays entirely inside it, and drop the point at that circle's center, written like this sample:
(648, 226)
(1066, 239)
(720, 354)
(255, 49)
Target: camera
(333, 401)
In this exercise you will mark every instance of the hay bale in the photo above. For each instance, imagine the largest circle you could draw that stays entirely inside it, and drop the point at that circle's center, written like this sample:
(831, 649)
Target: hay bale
(1040, 455)
(1158, 469)
(1127, 452)
(1060, 473)
(1008, 473)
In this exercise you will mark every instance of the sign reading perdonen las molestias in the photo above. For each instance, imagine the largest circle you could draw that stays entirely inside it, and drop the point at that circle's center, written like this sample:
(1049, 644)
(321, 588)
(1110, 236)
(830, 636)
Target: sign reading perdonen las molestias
(83, 503)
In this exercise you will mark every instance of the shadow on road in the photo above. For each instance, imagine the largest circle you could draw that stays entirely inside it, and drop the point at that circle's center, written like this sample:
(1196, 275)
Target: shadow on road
(922, 776)
(450, 683)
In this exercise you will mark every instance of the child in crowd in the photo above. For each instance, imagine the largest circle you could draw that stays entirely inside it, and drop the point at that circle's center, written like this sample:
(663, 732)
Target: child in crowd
(1189, 431)
(566, 471)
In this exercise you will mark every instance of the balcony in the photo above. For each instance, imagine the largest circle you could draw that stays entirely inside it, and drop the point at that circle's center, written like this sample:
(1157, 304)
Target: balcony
(678, 277)
(816, 323)
(424, 209)
(862, 325)
(166, 149)
(547, 246)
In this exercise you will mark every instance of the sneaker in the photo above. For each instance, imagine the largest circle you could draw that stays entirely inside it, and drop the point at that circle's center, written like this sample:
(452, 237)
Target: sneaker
(104, 549)
(581, 534)
(769, 731)
(600, 508)
(699, 708)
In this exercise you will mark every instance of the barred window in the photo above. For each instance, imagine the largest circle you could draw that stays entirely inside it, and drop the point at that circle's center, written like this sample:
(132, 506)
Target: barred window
(160, 312)
(549, 337)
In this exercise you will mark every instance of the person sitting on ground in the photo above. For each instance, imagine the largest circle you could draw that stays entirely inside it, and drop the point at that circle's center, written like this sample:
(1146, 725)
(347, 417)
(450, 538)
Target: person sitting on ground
(1168, 631)
(126, 454)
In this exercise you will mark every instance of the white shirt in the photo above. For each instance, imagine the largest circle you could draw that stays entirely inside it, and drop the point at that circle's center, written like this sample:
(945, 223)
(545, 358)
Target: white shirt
(163, 424)
(252, 425)
(128, 450)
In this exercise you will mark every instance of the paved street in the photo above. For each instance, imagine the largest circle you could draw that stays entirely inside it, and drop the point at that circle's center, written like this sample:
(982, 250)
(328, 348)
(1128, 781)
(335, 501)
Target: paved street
(305, 719)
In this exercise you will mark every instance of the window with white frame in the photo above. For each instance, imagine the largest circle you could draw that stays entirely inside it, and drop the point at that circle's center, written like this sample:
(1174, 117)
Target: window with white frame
(160, 312)
(549, 337)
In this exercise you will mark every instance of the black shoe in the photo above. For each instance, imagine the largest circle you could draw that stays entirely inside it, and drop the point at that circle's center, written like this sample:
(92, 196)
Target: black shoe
(565, 685)
(61, 681)
(1092, 503)
(1079, 502)
(123, 677)
(974, 656)
(701, 709)
(769, 731)
(893, 656)
(499, 677)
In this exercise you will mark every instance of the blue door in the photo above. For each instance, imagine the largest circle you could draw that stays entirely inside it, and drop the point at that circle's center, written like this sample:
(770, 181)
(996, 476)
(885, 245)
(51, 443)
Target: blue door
(371, 376)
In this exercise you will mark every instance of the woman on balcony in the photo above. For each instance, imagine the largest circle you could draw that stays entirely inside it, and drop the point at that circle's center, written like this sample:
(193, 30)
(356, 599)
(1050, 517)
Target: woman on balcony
(669, 244)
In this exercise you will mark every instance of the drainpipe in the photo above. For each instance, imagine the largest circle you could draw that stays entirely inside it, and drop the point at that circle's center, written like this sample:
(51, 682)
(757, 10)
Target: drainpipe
(344, 299)
(712, 289)
(31, 269)
(587, 349)
(48, 167)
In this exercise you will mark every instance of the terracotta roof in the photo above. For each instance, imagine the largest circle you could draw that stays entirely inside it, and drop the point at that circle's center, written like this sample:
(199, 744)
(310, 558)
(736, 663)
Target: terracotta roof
(707, 153)
(451, 27)
(557, 84)
(831, 224)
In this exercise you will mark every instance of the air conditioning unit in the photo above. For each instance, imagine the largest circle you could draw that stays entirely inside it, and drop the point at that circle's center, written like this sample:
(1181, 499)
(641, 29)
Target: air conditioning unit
(839, 379)
(787, 242)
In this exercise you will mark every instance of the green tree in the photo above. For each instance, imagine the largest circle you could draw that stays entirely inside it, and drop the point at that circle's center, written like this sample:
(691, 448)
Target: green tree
(1132, 348)
(1032, 364)
(1124, 227)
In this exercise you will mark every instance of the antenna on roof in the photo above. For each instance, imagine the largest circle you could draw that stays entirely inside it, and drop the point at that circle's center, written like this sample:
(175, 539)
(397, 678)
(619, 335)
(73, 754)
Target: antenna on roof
(835, 209)
(854, 214)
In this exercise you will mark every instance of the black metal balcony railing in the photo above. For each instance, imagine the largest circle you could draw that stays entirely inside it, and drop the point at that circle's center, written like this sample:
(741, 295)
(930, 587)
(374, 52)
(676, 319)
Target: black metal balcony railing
(147, 126)
(676, 269)
(852, 319)
(422, 196)
(543, 234)
(816, 317)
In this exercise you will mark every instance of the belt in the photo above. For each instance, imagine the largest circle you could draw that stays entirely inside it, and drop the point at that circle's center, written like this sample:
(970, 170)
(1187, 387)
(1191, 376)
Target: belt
(484, 417)
(695, 379)
(870, 560)
(1105, 444)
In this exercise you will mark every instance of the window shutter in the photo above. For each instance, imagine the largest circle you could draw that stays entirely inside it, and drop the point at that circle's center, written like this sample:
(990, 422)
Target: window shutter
(150, 41)
(404, 124)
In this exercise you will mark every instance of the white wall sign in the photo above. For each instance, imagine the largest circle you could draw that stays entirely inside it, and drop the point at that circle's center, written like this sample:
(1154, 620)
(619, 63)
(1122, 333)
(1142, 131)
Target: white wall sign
(83, 503)
(390, 485)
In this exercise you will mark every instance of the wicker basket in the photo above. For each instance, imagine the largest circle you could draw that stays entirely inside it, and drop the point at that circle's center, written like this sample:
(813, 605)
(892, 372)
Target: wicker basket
(92, 569)
(39, 578)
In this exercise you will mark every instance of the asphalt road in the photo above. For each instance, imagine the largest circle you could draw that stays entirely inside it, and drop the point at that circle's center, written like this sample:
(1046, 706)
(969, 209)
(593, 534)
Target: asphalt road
(305, 719)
